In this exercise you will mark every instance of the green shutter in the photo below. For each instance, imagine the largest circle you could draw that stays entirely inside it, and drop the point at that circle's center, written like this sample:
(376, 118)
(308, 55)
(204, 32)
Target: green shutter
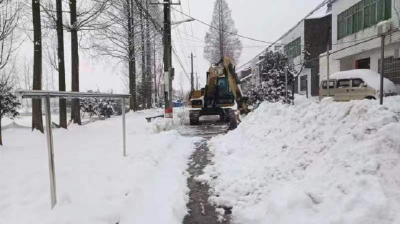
(373, 14)
(366, 16)
(355, 23)
(388, 9)
(360, 19)
(299, 47)
(380, 10)
(349, 26)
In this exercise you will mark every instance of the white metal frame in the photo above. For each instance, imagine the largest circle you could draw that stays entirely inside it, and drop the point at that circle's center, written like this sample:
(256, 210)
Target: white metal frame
(46, 95)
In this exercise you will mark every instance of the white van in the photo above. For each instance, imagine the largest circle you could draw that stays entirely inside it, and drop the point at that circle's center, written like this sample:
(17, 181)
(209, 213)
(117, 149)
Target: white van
(356, 85)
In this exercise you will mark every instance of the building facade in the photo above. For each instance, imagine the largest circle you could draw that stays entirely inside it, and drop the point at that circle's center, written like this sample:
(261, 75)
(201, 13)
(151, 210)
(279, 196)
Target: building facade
(305, 42)
(356, 43)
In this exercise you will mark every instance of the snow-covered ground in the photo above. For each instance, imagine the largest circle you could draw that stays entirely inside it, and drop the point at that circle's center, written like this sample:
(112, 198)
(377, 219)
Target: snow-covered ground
(95, 184)
(313, 162)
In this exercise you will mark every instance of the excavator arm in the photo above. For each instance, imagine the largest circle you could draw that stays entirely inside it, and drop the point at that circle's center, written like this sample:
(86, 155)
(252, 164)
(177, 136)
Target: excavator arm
(234, 84)
(219, 96)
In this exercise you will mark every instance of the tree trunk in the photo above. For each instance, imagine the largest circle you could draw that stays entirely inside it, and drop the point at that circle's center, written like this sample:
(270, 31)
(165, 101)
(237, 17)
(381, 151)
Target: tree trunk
(75, 114)
(61, 64)
(155, 73)
(148, 61)
(1, 137)
(143, 52)
(221, 25)
(37, 120)
(132, 58)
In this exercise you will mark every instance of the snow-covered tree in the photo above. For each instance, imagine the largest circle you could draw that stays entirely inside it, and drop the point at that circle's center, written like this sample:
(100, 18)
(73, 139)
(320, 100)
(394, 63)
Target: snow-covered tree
(101, 106)
(222, 40)
(8, 101)
(272, 87)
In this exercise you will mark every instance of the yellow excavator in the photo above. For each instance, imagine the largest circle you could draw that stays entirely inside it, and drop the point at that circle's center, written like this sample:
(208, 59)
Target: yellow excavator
(221, 96)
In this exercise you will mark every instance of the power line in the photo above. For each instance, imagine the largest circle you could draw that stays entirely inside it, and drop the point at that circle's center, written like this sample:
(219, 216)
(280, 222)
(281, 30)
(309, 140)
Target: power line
(189, 43)
(325, 2)
(347, 47)
(191, 28)
(180, 62)
(235, 34)
(182, 46)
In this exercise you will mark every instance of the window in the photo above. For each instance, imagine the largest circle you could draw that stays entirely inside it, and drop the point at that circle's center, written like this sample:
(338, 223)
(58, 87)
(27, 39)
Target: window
(373, 14)
(356, 82)
(366, 15)
(362, 15)
(343, 83)
(392, 69)
(331, 85)
(380, 11)
(293, 49)
(363, 63)
(303, 83)
(388, 9)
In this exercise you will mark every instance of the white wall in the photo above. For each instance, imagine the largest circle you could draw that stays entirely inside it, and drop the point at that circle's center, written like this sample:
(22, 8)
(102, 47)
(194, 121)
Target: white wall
(255, 70)
(345, 59)
(305, 72)
(341, 5)
(293, 35)
(334, 66)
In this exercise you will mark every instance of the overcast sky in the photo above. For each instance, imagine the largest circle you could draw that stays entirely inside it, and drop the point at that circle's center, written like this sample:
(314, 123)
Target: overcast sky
(265, 20)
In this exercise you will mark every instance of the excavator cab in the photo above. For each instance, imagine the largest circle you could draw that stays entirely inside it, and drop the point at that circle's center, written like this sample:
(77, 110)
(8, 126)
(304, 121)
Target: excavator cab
(222, 96)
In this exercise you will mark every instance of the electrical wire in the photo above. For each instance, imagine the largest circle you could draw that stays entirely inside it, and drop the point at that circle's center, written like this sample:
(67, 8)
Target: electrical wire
(180, 62)
(235, 34)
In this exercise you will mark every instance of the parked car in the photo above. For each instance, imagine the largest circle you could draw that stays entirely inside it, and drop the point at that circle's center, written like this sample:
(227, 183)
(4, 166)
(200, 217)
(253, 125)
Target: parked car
(356, 85)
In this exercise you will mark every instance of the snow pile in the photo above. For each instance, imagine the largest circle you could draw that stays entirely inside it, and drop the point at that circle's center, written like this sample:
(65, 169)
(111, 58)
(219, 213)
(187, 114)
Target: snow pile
(181, 117)
(311, 163)
(162, 124)
(95, 183)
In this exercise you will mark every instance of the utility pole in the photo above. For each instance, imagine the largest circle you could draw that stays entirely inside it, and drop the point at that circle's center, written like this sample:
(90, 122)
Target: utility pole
(328, 70)
(155, 74)
(168, 69)
(286, 86)
(197, 82)
(167, 60)
(192, 74)
(381, 93)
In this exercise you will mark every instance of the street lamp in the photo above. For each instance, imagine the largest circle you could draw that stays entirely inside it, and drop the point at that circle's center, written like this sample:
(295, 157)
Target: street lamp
(182, 21)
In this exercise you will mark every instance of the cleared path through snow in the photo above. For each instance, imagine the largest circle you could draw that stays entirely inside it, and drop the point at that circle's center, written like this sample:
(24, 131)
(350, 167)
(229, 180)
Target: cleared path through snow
(200, 210)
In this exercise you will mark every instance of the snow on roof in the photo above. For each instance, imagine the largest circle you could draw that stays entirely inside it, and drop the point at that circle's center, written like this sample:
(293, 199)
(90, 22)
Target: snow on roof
(322, 12)
(371, 78)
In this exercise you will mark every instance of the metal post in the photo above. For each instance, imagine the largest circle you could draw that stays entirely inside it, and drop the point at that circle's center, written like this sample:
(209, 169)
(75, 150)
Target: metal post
(382, 68)
(123, 127)
(286, 85)
(197, 82)
(328, 71)
(50, 146)
(191, 74)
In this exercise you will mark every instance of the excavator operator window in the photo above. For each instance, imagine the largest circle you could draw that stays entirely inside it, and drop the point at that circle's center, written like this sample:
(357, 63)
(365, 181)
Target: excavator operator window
(225, 95)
